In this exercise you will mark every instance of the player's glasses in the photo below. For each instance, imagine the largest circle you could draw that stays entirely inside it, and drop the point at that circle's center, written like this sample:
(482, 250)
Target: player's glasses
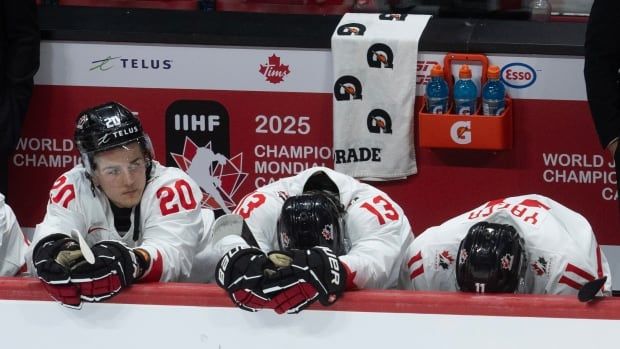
(113, 172)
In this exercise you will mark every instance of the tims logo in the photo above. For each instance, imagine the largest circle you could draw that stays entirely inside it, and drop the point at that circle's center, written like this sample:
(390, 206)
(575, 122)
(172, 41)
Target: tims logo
(109, 62)
(274, 71)
(197, 142)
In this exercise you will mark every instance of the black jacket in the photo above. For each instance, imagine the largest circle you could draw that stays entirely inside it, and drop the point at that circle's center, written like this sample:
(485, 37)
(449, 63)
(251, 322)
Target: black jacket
(602, 62)
(19, 61)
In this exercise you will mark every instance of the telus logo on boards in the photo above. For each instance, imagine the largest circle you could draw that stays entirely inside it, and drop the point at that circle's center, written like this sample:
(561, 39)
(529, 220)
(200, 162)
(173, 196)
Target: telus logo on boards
(518, 75)
(109, 62)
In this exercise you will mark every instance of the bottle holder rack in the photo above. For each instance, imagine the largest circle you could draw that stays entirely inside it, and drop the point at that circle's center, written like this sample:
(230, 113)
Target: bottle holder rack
(466, 131)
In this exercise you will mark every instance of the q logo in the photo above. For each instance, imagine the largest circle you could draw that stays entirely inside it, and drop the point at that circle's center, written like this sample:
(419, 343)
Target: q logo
(460, 132)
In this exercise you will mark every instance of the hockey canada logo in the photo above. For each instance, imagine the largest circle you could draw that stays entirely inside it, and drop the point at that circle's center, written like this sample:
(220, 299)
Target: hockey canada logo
(444, 259)
(380, 56)
(197, 142)
(351, 29)
(218, 176)
(506, 261)
(392, 16)
(274, 71)
(379, 121)
(347, 87)
(462, 256)
(540, 266)
(328, 232)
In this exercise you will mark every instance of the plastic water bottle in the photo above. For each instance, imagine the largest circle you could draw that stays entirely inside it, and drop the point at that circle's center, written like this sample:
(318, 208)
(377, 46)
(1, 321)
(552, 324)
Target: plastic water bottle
(437, 92)
(493, 93)
(465, 92)
(540, 10)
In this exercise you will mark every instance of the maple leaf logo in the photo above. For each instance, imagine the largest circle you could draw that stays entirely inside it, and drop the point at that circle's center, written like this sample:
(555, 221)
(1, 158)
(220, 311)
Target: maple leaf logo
(445, 259)
(274, 71)
(219, 177)
(540, 266)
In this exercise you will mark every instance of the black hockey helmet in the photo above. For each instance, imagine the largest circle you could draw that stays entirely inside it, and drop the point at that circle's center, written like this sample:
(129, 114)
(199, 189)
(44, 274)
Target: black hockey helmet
(491, 258)
(108, 126)
(311, 219)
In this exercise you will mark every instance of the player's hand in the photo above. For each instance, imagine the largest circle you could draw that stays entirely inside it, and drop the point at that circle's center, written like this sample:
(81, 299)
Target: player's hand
(53, 257)
(240, 272)
(116, 266)
(301, 277)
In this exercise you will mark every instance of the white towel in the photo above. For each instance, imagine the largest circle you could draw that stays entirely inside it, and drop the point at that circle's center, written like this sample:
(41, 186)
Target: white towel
(375, 61)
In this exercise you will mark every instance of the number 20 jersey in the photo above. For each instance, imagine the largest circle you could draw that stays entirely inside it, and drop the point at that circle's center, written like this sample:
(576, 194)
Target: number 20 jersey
(170, 224)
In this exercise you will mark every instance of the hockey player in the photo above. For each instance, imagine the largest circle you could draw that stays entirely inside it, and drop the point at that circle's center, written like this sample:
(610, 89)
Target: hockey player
(141, 219)
(13, 243)
(317, 233)
(523, 244)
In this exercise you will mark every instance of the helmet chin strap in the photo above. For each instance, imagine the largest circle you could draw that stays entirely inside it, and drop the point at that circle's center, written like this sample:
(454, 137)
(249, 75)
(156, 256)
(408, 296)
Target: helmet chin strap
(136, 222)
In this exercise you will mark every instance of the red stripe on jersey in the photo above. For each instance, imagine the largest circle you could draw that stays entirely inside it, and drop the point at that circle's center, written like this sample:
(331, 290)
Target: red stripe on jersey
(571, 283)
(350, 277)
(156, 270)
(599, 262)
(414, 259)
(417, 272)
(584, 274)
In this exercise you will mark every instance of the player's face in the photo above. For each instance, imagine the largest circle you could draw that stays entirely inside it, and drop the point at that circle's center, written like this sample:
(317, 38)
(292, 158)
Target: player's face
(121, 174)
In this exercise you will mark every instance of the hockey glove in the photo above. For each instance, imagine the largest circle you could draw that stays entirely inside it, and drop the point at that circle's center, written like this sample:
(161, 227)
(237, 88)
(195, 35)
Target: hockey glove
(53, 257)
(240, 273)
(116, 266)
(302, 277)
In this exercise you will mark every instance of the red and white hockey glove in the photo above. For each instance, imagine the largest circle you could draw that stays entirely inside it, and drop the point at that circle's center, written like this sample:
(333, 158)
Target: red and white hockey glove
(302, 277)
(240, 273)
(116, 266)
(53, 257)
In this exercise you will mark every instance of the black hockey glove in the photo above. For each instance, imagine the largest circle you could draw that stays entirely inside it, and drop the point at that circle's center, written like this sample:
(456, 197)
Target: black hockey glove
(116, 266)
(53, 257)
(240, 273)
(302, 277)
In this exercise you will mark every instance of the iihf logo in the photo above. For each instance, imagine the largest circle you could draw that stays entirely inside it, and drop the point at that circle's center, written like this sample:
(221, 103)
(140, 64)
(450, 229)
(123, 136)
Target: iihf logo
(379, 121)
(347, 87)
(380, 55)
(198, 142)
(357, 29)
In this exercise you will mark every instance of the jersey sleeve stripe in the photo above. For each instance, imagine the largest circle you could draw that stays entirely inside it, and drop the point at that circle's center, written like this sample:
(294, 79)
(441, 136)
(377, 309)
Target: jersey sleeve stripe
(571, 283)
(414, 259)
(155, 271)
(578, 271)
(417, 272)
(599, 262)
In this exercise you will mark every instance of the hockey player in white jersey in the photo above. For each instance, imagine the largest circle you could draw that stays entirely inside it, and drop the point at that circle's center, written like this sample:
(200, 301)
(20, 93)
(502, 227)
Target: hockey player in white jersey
(13, 242)
(141, 219)
(523, 244)
(317, 233)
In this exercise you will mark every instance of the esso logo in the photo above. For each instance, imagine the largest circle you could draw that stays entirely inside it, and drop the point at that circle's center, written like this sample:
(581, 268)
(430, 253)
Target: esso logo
(518, 75)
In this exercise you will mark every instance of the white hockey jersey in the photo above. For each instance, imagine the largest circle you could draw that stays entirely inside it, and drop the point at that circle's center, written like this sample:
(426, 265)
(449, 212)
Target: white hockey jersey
(561, 250)
(170, 225)
(13, 242)
(376, 227)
